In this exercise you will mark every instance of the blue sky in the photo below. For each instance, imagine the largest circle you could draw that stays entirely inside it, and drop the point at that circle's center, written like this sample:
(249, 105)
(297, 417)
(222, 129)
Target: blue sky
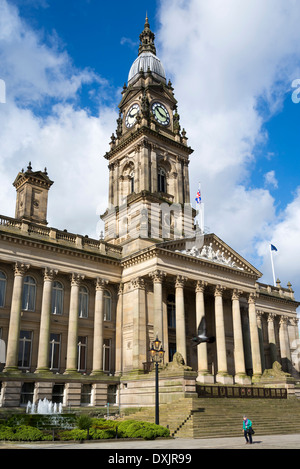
(232, 65)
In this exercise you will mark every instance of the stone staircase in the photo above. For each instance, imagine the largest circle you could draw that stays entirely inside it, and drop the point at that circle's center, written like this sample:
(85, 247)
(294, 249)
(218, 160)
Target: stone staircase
(213, 417)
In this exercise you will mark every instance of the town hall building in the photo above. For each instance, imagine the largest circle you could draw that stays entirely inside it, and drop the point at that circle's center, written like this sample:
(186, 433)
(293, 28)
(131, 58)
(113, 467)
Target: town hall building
(78, 316)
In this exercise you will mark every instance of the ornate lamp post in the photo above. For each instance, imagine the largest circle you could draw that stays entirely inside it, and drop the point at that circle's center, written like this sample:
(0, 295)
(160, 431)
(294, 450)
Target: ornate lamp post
(157, 355)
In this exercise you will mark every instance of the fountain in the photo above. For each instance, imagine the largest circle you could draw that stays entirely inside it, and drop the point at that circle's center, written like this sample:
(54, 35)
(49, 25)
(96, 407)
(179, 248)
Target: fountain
(49, 415)
(44, 407)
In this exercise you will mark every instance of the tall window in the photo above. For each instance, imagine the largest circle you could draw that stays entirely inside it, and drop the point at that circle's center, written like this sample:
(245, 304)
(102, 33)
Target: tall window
(54, 352)
(57, 298)
(131, 182)
(107, 305)
(161, 181)
(82, 353)
(27, 392)
(2, 289)
(86, 394)
(83, 302)
(106, 354)
(29, 292)
(171, 311)
(25, 343)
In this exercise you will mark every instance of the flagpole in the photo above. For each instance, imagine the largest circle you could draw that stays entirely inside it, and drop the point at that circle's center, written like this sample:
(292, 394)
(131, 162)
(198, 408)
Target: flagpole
(272, 263)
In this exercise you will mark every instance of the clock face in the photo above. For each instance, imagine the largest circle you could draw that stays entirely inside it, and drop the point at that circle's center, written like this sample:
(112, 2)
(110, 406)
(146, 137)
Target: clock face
(131, 115)
(160, 113)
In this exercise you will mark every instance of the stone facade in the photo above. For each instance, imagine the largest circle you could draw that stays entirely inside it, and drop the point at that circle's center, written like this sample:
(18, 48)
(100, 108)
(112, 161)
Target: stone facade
(78, 315)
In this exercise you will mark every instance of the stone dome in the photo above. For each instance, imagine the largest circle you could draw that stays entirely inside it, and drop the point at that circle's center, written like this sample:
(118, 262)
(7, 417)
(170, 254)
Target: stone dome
(147, 61)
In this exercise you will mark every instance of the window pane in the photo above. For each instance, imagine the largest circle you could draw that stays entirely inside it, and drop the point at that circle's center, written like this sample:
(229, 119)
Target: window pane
(57, 298)
(28, 300)
(2, 289)
(107, 306)
(83, 302)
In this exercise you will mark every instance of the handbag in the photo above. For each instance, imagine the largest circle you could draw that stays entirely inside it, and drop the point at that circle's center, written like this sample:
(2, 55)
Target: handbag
(251, 431)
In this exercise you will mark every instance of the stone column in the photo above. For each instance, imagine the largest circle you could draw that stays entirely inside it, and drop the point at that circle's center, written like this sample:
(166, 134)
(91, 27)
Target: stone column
(140, 343)
(157, 277)
(119, 331)
(254, 338)
(44, 341)
(222, 374)
(203, 375)
(72, 365)
(180, 316)
(239, 357)
(98, 326)
(15, 318)
(261, 339)
(272, 340)
(285, 352)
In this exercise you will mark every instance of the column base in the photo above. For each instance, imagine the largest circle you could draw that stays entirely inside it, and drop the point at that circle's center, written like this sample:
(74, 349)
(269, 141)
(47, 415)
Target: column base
(224, 378)
(97, 373)
(242, 378)
(205, 378)
(12, 370)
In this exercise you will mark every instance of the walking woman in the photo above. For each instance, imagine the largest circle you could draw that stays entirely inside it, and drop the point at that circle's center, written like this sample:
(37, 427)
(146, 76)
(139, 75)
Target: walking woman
(248, 431)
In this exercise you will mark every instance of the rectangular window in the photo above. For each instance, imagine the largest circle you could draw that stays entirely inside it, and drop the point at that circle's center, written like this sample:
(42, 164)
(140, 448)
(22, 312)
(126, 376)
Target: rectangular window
(58, 393)
(107, 355)
(25, 345)
(2, 289)
(86, 394)
(54, 351)
(27, 392)
(29, 291)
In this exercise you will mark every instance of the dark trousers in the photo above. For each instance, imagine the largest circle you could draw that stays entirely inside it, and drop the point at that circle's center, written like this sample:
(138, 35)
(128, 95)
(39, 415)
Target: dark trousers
(248, 436)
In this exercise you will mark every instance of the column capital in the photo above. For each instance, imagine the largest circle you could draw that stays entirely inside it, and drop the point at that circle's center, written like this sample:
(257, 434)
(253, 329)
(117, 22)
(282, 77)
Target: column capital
(219, 290)
(283, 320)
(76, 279)
(121, 289)
(138, 282)
(157, 276)
(253, 297)
(20, 268)
(271, 317)
(50, 274)
(180, 281)
(236, 293)
(200, 286)
(100, 283)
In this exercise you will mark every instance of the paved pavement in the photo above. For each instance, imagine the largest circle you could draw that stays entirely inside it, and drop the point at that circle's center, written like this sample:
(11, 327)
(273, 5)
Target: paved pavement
(281, 442)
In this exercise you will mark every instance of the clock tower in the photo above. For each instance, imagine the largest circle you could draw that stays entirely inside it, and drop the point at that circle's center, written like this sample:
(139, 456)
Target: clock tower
(149, 194)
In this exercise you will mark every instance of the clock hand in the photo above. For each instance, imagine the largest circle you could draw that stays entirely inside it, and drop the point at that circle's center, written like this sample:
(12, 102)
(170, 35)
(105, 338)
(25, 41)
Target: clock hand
(162, 115)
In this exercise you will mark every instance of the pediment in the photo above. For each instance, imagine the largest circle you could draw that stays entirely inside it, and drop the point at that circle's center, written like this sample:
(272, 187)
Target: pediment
(211, 249)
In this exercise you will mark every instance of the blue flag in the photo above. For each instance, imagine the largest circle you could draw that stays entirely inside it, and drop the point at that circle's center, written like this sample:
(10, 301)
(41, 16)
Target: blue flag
(273, 248)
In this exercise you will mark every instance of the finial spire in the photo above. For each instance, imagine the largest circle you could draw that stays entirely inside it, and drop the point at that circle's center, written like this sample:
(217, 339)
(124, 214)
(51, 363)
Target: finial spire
(147, 39)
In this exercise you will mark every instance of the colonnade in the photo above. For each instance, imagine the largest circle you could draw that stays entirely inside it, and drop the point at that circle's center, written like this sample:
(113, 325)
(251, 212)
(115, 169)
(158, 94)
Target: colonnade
(257, 354)
(140, 326)
(20, 271)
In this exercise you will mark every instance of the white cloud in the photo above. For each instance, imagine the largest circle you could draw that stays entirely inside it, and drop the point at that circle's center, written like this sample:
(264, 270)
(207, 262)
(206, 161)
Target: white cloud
(270, 179)
(225, 59)
(41, 122)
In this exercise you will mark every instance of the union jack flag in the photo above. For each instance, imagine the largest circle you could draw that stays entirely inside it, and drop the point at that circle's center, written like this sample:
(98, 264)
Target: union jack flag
(198, 198)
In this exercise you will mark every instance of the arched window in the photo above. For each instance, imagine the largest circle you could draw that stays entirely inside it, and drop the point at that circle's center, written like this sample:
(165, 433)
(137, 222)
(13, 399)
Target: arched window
(83, 302)
(2, 288)
(107, 305)
(57, 298)
(29, 292)
(161, 180)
